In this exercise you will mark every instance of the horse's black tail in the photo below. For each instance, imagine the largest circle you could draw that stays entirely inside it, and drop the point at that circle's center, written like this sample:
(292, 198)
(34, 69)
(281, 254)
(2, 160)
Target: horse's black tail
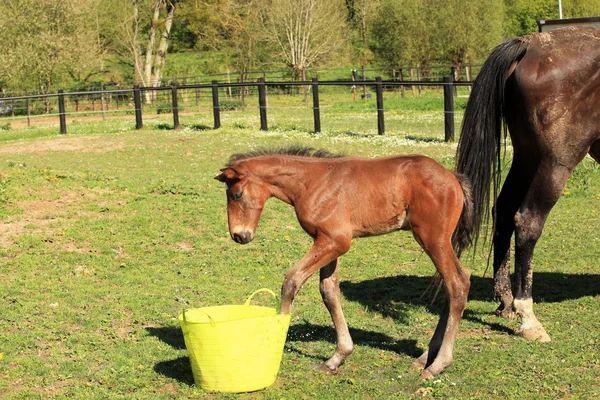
(478, 153)
(462, 236)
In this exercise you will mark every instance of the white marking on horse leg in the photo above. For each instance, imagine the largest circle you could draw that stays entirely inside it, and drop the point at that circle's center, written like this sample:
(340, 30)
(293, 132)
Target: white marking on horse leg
(531, 328)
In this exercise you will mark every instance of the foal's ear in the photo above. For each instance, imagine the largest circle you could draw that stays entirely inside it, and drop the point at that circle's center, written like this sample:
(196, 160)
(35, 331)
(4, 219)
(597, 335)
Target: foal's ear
(228, 174)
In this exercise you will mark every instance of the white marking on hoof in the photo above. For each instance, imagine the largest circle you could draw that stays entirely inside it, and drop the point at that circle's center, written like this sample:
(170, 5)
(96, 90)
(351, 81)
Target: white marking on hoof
(531, 328)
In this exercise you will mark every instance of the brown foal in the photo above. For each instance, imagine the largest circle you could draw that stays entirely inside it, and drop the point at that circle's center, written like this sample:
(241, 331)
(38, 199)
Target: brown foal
(340, 198)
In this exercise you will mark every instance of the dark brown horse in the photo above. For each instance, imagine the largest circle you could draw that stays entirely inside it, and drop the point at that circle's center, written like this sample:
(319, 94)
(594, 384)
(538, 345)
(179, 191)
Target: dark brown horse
(339, 198)
(546, 89)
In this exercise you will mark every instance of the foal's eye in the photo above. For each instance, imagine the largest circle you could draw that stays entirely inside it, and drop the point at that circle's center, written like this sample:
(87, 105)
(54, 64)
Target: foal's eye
(237, 196)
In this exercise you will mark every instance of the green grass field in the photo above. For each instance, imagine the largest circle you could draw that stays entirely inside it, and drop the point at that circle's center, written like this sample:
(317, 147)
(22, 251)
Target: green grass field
(107, 233)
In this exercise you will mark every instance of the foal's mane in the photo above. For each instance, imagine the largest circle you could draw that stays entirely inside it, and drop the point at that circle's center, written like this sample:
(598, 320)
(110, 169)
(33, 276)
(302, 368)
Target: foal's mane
(294, 150)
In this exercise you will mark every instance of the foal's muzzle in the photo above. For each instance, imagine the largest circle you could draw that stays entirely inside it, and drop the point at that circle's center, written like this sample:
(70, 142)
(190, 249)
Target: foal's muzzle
(243, 237)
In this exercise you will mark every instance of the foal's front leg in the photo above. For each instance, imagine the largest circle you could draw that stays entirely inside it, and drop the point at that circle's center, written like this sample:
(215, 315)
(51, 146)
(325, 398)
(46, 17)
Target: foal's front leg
(323, 251)
(330, 291)
(323, 254)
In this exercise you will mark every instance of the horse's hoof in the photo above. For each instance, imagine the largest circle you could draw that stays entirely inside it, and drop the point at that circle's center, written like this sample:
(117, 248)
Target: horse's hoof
(536, 333)
(505, 312)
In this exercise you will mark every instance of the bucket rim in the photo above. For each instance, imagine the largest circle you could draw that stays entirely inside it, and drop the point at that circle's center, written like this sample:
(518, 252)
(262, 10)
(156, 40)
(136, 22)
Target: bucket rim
(272, 312)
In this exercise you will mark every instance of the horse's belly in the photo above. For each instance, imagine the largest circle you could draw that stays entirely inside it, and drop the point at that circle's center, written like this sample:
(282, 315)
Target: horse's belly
(375, 228)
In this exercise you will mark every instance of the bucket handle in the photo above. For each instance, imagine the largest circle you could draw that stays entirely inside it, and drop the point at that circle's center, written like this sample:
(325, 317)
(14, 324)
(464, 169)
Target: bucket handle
(213, 323)
(247, 303)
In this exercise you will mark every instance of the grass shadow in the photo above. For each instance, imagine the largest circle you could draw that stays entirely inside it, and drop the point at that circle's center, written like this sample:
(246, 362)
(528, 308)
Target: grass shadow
(389, 295)
(178, 369)
(355, 134)
(201, 127)
(164, 127)
(308, 332)
(393, 296)
(472, 316)
(425, 139)
(170, 335)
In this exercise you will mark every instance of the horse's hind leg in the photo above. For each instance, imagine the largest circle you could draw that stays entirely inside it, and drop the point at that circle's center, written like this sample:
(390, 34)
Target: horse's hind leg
(511, 196)
(545, 190)
(595, 151)
(330, 291)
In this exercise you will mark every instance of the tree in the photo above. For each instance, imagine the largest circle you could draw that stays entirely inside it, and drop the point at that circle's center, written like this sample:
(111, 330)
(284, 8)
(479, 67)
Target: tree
(230, 28)
(47, 41)
(522, 16)
(469, 29)
(305, 32)
(427, 31)
(580, 8)
(360, 16)
(404, 32)
(149, 70)
(139, 32)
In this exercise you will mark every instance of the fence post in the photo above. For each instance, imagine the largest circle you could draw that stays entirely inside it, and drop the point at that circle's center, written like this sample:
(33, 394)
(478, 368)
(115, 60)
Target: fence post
(364, 78)
(316, 109)
(379, 91)
(137, 100)
(216, 110)
(61, 112)
(262, 103)
(449, 108)
(28, 108)
(175, 105)
(102, 102)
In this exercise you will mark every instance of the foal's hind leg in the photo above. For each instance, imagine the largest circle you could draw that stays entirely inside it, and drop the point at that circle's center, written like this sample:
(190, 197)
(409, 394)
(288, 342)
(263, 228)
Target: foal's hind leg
(546, 188)
(330, 291)
(439, 354)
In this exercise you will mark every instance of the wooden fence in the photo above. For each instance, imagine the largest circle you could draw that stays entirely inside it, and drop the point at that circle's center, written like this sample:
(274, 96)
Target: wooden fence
(138, 94)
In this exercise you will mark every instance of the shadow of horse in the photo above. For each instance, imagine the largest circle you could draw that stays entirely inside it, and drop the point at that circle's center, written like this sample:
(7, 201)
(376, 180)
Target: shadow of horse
(307, 332)
(392, 296)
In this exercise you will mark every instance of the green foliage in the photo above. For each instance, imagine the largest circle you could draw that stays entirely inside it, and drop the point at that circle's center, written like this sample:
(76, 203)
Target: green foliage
(164, 108)
(522, 16)
(422, 32)
(230, 104)
(46, 41)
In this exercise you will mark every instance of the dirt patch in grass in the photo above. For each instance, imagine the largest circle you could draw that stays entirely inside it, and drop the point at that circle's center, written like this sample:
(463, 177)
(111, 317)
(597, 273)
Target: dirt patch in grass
(91, 144)
(44, 217)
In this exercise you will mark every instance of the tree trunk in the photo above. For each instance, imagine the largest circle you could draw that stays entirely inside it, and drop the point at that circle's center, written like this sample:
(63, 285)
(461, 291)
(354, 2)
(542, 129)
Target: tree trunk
(150, 50)
(159, 59)
(137, 57)
(151, 41)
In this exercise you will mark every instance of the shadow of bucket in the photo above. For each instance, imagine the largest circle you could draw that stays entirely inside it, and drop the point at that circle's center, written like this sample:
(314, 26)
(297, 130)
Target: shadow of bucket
(235, 348)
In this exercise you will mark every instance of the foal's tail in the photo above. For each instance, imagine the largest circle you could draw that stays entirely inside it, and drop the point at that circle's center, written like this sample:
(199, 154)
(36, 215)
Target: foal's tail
(478, 154)
(462, 236)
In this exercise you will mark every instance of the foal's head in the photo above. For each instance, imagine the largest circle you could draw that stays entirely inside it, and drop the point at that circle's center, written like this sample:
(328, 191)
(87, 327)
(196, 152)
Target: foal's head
(247, 192)
(246, 197)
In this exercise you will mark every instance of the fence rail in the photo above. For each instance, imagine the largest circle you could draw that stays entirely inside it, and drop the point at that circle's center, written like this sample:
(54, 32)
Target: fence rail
(116, 97)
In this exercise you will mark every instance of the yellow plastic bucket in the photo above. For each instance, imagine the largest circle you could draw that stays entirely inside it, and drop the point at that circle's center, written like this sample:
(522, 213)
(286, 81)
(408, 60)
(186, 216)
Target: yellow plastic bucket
(235, 348)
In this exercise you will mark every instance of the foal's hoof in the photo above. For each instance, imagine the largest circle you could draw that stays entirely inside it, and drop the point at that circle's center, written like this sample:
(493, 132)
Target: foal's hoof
(426, 375)
(535, 333)
(326, 369)
(417, 365)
